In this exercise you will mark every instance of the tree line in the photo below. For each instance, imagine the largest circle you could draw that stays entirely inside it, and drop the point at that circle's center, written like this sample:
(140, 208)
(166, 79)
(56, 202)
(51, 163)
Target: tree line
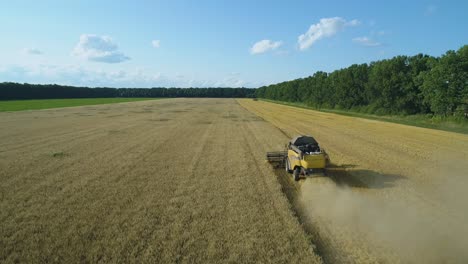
(418, 84)
(18, 91)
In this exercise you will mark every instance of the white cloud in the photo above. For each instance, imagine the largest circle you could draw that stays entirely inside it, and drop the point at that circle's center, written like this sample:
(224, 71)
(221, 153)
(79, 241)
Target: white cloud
(265, 45)
(79, 76)
(365, 41)
(156, 43)
(233, 79)
(327, 27)
(32, 51)
(353, 23)
(84, 76)
(99, 49)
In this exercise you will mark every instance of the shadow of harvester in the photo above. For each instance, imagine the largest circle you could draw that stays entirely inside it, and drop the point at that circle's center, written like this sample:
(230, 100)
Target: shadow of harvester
(346, 175)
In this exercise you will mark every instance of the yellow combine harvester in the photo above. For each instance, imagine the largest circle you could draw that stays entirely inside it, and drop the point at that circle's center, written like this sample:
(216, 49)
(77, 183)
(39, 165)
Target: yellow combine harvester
(303, 156)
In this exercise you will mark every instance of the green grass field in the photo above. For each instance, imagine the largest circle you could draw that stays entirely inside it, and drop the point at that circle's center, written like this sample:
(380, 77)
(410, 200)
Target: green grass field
(19, 105)
(451, 124)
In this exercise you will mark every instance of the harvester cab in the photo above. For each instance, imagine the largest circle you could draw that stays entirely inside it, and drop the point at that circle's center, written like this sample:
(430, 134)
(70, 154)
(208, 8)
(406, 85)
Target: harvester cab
(302, 156)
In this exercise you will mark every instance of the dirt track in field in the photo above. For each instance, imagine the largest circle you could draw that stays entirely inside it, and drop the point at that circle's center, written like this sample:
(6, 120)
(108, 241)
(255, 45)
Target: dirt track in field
(176, 180)
(394, 194)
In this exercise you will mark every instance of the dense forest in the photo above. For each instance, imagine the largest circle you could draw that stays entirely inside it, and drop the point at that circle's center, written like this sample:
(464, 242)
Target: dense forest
(418, 84)
(17, 91)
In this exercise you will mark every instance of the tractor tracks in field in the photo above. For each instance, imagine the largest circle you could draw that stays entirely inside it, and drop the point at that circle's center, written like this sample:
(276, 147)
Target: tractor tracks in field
(291, 190)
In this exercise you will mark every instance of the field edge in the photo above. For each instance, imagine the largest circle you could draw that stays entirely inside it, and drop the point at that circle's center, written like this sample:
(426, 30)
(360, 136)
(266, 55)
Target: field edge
(40, 104)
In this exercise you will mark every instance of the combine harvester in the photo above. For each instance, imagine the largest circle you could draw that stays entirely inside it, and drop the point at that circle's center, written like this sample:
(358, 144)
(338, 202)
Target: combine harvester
(303, 156)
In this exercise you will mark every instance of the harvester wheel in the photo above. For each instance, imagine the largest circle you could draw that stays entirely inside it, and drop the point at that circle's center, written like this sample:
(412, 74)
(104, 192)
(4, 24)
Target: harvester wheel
(286, 162)
(296, 173)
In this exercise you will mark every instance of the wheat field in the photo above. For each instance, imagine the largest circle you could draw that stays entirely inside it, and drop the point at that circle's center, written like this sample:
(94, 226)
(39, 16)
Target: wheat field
(185, 181)
(166, 181)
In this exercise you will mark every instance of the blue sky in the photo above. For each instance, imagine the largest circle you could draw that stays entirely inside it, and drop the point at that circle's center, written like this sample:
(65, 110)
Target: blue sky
(214, 43)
